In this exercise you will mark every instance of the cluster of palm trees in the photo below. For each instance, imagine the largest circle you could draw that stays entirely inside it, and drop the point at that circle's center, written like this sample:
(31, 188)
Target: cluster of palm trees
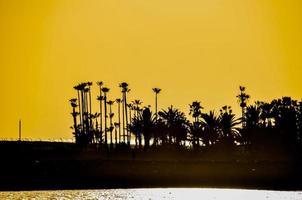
(99, 127)
(279, 121)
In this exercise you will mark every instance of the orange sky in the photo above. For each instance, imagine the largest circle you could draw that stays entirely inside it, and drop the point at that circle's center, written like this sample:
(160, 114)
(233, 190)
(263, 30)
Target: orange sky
(194, 50)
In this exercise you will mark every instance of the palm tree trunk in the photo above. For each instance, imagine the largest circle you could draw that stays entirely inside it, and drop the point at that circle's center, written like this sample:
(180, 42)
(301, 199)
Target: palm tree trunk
(123, 108)
(87, 118)
(155, 139)
(126, 116)
(119, 121)
(156, 107)
(83, 103)
(75, 123)
(80, 110)
(130, 116)
(101, 124)
(111, 139)
(115, 131)
(105, 104)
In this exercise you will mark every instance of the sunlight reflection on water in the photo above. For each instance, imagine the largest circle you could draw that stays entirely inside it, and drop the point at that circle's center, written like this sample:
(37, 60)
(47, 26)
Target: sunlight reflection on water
(157, 193)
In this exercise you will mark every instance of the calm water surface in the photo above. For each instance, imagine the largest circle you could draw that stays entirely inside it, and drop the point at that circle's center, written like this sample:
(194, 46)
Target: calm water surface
(165, 193)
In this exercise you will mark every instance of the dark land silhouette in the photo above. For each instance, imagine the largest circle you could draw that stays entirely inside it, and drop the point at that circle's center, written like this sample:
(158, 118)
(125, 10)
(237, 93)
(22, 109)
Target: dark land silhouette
(260, 149)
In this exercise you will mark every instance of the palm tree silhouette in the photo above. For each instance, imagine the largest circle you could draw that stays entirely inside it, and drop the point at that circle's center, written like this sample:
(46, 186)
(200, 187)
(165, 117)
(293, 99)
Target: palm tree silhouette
(89, 84)
(105, 90)
(228, 125)
(136, 127)
(110, 103)
(274, 125)
(74, 114)
(136, 106)
(78, 89)
(148, 124)
(100, 99)
(124, 86)
(156, 91)
(242, 99)
(195, 111)
(119, 101)
(176, 123)
(211, 128)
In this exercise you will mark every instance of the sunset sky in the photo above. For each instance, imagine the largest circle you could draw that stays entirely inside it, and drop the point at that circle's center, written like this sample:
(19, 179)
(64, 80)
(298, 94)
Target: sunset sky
(192, 49)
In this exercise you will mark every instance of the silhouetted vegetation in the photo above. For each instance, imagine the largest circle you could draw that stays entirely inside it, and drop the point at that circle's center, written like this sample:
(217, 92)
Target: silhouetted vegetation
(262, 126)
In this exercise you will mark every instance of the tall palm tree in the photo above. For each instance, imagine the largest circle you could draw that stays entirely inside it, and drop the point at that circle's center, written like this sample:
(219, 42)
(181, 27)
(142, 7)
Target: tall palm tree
(156, 91)
(74, 114)
(105, 90)
(100, 98)
(89, 84)
(86, 113)
(195, 111)
(78, 89)
(124, 86)
(242, 99)
(110, 103)
(119, 101)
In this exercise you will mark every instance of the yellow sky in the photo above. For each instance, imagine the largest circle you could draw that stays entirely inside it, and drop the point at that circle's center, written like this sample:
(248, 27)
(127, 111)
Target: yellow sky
(193, 50)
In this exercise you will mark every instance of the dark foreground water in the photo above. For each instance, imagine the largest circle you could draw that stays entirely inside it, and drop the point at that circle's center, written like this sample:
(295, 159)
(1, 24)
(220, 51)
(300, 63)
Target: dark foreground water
(157, 193)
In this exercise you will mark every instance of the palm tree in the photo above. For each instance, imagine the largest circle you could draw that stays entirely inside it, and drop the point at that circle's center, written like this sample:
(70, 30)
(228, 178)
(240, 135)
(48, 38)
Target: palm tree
(228, 125)
(136, 106)
(89, 84)
(100, 98)
(252, 116)
(195, 111)
(136, 127)
(211, 128)
(176, 123)
(74, 114)
(118, 101)
(125, 89)
(148, 124)
(78, 89)
(97, 134)
(156, 91)
(267, 113)
(105, 90)
(86, 112)
(110, 103)
(242, 99)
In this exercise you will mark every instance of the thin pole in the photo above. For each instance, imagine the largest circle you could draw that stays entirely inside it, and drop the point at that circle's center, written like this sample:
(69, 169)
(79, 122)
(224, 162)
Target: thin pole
(20, 130)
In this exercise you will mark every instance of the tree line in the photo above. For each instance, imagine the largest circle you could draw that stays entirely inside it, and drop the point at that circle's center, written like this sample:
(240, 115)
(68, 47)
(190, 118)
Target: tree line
(276, 124)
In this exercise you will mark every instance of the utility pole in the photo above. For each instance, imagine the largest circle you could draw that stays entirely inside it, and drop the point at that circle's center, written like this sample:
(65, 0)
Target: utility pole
(20, 130)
